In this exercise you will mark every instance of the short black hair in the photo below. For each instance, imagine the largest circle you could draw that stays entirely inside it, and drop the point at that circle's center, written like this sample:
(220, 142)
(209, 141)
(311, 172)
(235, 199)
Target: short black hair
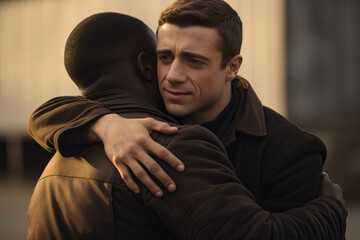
(99, 41)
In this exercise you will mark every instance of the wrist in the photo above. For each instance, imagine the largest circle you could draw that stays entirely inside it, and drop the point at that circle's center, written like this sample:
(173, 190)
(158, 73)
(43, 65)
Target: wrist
(97, 131)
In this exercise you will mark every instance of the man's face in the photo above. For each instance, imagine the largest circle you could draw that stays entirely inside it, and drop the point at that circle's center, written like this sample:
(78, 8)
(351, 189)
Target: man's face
(191, 80)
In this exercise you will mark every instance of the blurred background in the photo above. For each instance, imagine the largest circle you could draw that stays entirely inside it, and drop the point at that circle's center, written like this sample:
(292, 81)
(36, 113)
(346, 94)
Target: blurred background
(302, 58)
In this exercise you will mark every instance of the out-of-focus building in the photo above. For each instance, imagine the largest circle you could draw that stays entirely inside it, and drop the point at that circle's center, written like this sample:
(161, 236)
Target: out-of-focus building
(33, 36)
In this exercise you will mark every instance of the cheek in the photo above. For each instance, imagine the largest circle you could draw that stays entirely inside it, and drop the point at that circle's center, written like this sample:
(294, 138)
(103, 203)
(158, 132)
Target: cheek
(208, 83)
(212, 86)
(161, 72)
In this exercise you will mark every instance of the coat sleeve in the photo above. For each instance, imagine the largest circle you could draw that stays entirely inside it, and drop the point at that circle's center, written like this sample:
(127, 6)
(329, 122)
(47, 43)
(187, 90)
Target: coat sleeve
(52, 120)
(293, 176)
(211, 203)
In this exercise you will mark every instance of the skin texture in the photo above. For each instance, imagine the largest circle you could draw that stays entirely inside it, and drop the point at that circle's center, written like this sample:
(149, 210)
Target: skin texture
(191, 81)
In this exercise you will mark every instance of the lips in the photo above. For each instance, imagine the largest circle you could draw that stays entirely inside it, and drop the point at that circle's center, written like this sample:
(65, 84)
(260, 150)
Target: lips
(176, 95)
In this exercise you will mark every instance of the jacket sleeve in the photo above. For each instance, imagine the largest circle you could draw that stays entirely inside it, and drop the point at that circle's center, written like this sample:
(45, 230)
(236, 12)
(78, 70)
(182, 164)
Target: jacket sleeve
(58, 116)
(211, 203)
(293, 177)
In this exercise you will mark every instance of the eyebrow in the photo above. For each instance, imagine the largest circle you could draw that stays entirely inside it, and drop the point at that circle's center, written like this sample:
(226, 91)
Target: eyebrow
(185, 54)
(163, 51)
(195, 55)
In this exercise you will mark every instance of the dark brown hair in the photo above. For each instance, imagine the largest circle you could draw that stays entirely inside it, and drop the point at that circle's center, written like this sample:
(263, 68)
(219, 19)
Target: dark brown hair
(208, 13)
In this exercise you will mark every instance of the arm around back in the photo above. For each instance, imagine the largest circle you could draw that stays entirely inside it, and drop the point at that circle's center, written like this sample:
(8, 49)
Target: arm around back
(49, 123)
(292, 164)
(211, 203)
(66, 124)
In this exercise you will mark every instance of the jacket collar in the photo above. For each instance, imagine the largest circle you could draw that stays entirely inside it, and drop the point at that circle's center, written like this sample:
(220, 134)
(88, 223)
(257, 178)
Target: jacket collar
(249, 117)
(121, 102)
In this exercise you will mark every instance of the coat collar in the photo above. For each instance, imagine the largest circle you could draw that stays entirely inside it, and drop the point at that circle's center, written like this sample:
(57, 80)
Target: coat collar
(121, 102)
(249, 117)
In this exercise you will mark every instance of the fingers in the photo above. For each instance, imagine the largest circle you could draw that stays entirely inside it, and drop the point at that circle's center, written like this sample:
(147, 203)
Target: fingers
(141, 174)
(158, 126)
(130, 153)
(144, 177)
(328, 188)
(155, 169)
(152, 166)
(164, 154)
(157, 149)
(144, 146)
(126, 176)
(325, 175)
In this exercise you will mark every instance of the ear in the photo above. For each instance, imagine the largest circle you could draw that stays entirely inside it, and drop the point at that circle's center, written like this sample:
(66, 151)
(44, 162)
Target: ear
(233, 67)
(144, 66)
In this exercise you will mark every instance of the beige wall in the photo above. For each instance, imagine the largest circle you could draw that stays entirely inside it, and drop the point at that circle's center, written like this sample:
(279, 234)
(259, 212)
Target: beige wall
(33, 34)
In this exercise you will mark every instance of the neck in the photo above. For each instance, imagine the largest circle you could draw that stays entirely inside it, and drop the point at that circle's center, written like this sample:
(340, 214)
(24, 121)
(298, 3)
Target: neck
(213, 112)
(132, 86)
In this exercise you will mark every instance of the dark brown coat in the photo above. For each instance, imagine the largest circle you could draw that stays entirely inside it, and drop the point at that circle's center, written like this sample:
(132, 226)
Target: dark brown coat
(277, 161)
(83, 197)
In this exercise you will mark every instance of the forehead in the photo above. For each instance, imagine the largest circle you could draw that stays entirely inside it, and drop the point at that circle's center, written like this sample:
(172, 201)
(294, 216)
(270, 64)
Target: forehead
(192, 38)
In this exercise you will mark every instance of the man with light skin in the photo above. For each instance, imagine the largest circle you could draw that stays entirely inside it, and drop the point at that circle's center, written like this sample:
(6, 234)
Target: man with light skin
(198, 60)
(83, 197)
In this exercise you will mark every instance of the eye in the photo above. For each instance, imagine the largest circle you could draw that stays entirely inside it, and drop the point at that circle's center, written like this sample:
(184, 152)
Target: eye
(165, 59)
(195, 62)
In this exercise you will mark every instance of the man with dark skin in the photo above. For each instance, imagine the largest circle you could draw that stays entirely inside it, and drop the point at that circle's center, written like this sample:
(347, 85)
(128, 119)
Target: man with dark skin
(198, 59)
(83, 197)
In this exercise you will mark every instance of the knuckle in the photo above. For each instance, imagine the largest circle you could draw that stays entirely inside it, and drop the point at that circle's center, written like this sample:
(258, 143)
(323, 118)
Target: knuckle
(131, 148)
(118, 160)
(147, 120)
(162, 153)
(140, 175)
(153, 168)
(126, 177)
(140, 140)
(164, 124)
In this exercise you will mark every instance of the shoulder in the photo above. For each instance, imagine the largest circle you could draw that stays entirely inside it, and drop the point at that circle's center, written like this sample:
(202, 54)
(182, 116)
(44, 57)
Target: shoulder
(278, 124)
(192, 134)
(91, 164)
(197, 132)
(195, 145)
(288, 136)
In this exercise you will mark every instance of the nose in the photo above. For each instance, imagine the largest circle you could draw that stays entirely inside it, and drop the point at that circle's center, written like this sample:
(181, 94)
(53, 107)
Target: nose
(176, 73)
